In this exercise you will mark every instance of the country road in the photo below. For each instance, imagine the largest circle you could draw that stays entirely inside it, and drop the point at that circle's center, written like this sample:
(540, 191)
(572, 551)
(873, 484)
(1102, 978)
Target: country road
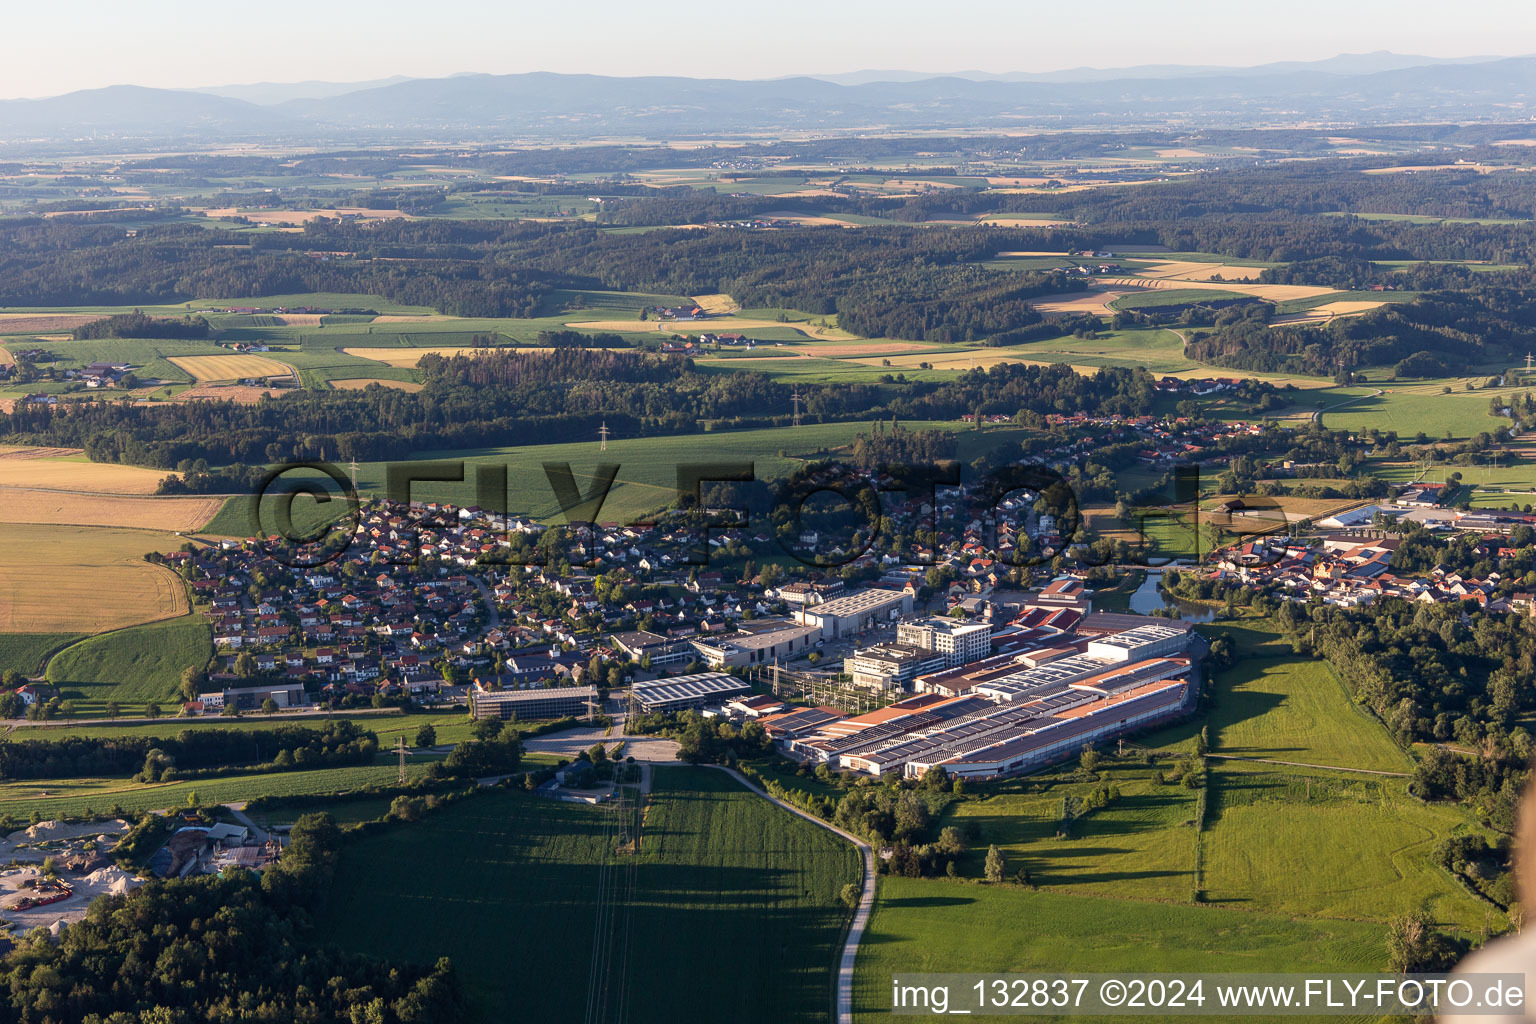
(866, 898)
(1317, 417)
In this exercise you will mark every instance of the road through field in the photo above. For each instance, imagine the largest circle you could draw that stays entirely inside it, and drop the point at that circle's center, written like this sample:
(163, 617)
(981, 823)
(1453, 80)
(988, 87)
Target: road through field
(1317, 417)
(866, 898)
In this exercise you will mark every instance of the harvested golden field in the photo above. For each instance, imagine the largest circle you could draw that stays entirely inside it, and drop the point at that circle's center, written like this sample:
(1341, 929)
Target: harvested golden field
(75, 473)
(358, 384)
(300, 319)
(240, 393)
(1274, 292)
(723, 323)
(299, 217)
(411, 318)
(69, 508)
(836, 349)
(6, 359)
(230, 367)
(1326, 312)
(1292, 507)
(411, 356)
(718, 304)
(1095, 302)
(31, 323)
(1192, 270)
(22, 451)
(84, 579)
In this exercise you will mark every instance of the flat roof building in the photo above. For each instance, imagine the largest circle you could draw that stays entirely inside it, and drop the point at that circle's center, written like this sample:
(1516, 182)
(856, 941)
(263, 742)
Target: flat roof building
(960, 641)
(1138, 644)
(525, 705)
(680, 693)
(761, 642)
(661, 650)
(891, 666)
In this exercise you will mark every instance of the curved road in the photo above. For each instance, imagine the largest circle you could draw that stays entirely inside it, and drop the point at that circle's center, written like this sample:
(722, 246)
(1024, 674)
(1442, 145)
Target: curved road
(1317, 417)
(866, 899)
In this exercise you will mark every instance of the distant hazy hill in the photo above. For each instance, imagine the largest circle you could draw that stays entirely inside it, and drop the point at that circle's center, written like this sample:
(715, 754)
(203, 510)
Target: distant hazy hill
(1343, 64)
(1367, 87)
(269, 93)
(128, 109)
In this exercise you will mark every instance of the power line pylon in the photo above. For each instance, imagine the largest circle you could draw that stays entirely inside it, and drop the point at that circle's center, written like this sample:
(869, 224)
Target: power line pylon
(602, 432)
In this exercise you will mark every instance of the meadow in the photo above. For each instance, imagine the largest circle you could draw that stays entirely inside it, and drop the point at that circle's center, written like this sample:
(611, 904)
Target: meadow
(943, 926)
(741, 895)
(1140, 847)
(134, 666)
(1294, 709)
(1412, 407)
(1326, 845)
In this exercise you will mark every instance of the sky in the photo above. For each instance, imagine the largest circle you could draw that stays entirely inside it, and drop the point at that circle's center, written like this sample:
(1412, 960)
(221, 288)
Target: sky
(184, 44)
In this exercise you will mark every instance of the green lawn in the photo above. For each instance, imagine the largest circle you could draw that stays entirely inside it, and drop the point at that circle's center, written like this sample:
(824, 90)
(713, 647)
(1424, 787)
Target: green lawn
(939, 926)
(132, 666)
(730, 904)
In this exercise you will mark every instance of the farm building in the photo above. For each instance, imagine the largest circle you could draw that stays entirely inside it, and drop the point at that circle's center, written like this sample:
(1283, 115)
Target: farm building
(705, 689)
(851, 613)
(529, 704)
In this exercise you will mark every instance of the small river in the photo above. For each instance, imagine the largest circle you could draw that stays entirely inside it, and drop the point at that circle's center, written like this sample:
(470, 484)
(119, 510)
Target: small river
(1147, 599)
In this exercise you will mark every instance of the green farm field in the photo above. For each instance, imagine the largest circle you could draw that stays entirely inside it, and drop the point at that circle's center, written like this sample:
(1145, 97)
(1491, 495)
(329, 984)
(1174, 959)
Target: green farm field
(133, 666)
(1293, 709)
(452, 726)
(741, 894)
(26, 652)
(942, 926)
(1409, 408)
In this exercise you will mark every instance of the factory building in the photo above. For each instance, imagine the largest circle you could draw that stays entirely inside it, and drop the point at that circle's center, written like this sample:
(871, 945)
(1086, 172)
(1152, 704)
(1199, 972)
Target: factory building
(960, 641)
(854, 612)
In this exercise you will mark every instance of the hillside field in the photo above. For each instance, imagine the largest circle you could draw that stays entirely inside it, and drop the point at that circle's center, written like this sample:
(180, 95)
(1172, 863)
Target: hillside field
(741, 895)
(73, 579)
(132, 666)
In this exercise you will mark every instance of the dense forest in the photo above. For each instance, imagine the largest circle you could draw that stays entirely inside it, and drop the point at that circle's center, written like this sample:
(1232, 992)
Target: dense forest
(189, 753)
(1492, 320)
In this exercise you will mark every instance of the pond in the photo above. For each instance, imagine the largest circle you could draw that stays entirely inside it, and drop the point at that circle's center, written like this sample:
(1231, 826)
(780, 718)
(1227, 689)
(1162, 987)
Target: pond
(1147, 599)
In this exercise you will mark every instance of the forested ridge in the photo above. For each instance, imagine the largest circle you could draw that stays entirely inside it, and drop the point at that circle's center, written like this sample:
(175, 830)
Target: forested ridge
(505, 397)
